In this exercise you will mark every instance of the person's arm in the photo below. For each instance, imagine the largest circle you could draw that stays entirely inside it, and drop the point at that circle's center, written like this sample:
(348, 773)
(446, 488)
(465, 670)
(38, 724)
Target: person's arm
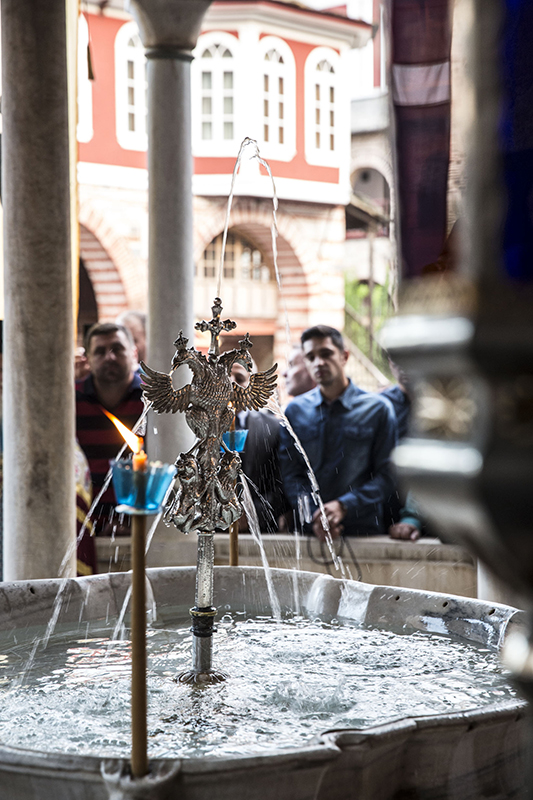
(410, 525)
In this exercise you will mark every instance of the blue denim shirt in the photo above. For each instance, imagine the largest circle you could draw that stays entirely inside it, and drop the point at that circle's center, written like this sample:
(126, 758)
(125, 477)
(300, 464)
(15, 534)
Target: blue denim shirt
(401, 404)
(348, 443)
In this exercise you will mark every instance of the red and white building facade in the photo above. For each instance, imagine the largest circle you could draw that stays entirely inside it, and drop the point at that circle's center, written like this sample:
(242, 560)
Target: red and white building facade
(273, 71)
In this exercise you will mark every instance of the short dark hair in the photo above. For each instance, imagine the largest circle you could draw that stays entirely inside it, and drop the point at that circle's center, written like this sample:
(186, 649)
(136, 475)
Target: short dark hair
(104, 329)
(324, 332)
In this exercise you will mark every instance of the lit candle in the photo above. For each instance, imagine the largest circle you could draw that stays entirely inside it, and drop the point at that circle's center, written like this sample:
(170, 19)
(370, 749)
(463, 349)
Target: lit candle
(140, 459)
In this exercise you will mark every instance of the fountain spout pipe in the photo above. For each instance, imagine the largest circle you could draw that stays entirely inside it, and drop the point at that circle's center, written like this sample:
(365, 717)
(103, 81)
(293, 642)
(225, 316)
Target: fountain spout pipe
(203, 614)
(203, 618)
(234, 544)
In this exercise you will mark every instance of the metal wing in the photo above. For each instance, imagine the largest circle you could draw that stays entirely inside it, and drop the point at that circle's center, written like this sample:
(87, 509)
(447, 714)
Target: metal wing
(157, 387)
(258, 391)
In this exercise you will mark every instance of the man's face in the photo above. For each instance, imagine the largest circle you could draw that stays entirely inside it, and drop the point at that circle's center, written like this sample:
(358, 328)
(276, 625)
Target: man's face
(297, 377)
(324, 361)
(112, 358)
(240, 375)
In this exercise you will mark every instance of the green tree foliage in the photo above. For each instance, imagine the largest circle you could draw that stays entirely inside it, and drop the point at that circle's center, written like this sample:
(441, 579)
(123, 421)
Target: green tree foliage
(359, 308)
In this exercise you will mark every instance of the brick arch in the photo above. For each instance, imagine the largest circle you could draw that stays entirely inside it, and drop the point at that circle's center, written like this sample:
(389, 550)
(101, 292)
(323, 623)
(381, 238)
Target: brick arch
(253, 218)
(106, 282)
(131, 274)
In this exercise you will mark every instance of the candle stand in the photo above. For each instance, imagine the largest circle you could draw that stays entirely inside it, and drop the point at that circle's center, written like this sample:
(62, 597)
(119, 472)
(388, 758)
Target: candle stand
(140, 493)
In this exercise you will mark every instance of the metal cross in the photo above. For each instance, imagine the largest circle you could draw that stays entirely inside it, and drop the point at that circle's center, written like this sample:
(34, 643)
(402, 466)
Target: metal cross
(215, 326)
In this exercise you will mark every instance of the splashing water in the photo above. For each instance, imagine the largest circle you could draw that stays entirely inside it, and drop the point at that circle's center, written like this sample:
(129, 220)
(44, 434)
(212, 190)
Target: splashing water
(275, 407)
(255, 530)
(289, 681)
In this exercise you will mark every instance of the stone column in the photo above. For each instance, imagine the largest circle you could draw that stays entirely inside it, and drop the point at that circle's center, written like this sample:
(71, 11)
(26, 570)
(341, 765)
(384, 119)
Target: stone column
(169, 30)
(39, 506)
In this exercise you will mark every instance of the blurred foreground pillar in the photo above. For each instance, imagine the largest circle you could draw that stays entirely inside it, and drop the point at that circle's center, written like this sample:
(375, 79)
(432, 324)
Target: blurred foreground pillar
(169, 30)
(39, 508)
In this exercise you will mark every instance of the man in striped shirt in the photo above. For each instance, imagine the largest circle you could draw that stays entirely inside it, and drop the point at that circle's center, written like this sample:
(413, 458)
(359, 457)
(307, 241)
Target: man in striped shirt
(114, 385)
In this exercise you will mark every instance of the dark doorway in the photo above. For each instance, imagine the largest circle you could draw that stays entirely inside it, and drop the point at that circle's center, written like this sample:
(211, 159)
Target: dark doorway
(87, 307)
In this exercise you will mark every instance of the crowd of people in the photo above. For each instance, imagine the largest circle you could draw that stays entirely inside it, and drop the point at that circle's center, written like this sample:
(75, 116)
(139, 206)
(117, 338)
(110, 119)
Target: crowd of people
(346, 433)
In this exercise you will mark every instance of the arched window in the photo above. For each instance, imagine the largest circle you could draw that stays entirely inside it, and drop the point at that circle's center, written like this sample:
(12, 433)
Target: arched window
(84, 130)
(370, 185)
(369, 208)
(278, 96)
(243, 261)
(217, 94)
(323, 107)
(130, 89)
(214, 95)
(274, 101)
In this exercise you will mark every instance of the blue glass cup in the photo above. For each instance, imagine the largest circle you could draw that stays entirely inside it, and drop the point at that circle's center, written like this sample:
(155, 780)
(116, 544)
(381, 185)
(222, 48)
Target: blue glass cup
(142, 491)
(235, 440)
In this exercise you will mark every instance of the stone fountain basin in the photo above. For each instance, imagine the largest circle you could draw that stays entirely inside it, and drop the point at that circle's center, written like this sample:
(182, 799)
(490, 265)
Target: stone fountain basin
(475, 754)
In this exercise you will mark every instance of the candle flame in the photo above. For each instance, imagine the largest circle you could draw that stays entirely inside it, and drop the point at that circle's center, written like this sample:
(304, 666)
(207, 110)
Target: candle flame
(133, 441)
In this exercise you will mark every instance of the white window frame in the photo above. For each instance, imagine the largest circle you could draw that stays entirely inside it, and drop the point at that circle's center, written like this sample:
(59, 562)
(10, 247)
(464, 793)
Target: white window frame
(324, 155)
(246, 261)
(217, 145)
(138, 138)
(273, 149)
(84, 129)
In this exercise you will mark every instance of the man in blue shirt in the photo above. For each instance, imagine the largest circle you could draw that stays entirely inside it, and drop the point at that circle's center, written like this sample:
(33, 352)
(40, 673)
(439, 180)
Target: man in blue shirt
(348, 435)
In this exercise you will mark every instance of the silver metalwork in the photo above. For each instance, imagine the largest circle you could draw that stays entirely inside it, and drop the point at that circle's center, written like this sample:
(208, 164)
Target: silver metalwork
(205, 498)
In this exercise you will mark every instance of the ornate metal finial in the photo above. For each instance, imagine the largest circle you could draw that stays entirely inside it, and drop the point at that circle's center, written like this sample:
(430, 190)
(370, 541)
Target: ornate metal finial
(246, 343)
(206, 498)
(216, 327)
(181, 342)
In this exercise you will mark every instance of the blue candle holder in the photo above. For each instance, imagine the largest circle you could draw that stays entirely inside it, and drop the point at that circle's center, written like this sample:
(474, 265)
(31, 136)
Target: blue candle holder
(141, 492)
(235, 440)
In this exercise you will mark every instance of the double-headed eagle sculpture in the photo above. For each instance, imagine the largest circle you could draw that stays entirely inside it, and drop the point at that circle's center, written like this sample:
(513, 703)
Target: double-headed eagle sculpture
(205, 499)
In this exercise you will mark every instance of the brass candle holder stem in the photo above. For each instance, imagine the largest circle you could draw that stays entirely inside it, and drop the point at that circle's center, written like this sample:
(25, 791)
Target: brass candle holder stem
(139, 734)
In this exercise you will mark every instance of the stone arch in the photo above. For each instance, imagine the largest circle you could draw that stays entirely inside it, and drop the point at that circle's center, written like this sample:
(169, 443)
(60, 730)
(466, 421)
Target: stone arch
(370, 158)
(132, 278)
(253, 218)
(105, 279)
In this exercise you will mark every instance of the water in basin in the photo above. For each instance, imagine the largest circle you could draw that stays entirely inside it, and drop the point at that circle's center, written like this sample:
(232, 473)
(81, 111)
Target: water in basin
(289, 681)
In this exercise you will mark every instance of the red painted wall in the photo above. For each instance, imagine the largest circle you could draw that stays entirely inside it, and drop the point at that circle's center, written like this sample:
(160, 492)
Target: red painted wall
(104, 148)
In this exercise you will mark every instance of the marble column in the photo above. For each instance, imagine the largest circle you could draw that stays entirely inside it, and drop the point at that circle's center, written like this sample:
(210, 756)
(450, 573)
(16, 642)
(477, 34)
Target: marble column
(38, 401)
(169, 30)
